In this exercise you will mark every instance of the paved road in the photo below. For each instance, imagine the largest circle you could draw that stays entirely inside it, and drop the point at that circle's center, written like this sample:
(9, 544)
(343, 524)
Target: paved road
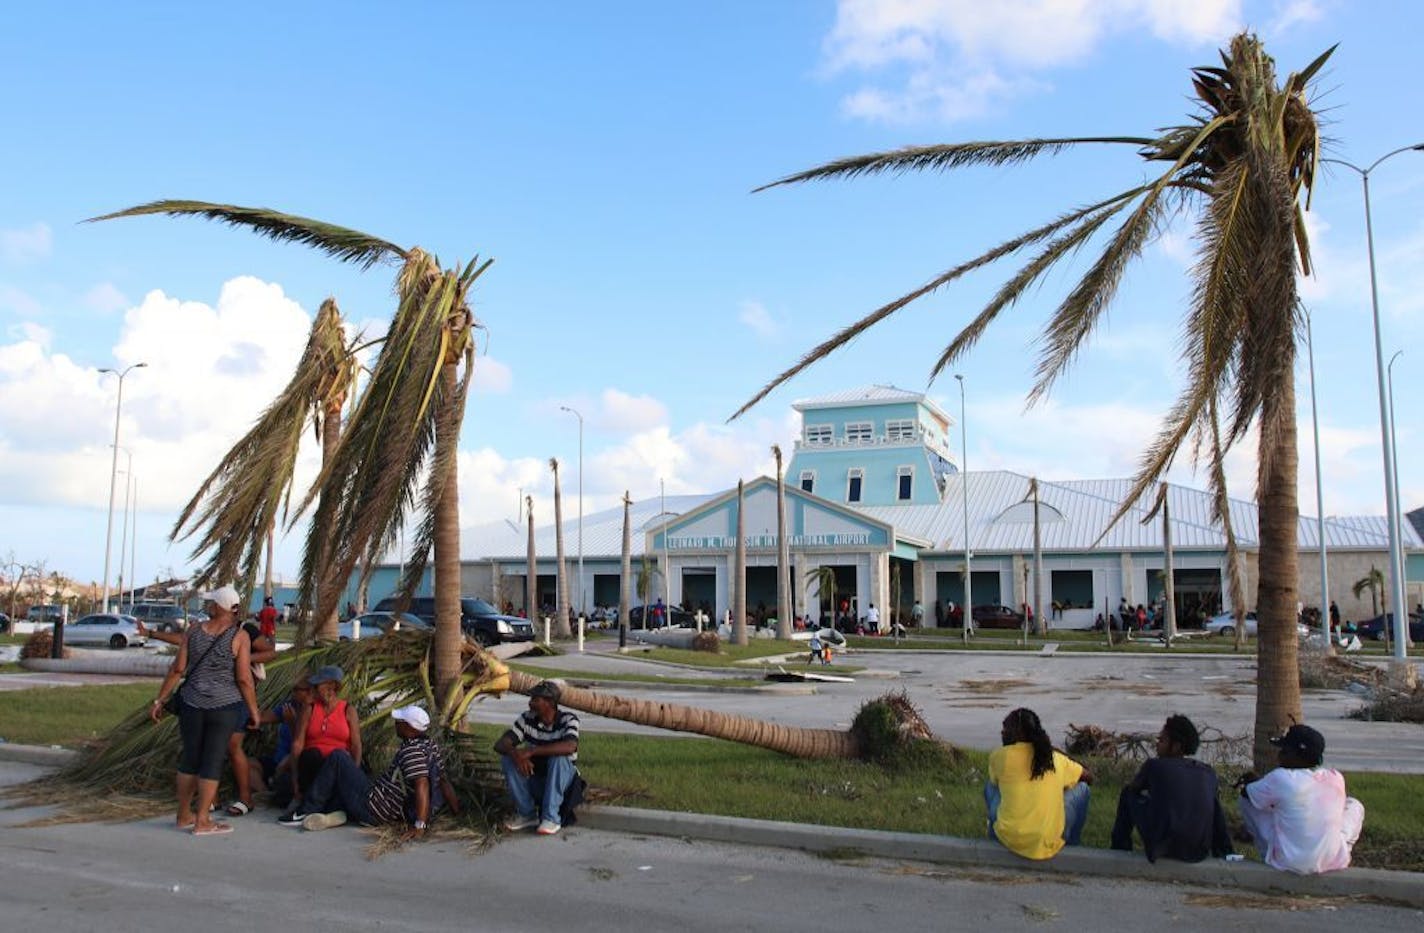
(147, 877)
(965, 696)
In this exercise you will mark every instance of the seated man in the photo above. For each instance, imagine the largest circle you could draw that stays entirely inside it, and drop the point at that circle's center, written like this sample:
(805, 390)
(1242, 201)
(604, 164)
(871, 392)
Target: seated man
(1299, 814)
(1036, 796)
(1172, 802)
(539, 754)
(412, 789)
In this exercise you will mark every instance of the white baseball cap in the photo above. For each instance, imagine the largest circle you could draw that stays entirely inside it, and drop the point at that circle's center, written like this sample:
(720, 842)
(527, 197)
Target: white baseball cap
(413, 716)
(224, 596)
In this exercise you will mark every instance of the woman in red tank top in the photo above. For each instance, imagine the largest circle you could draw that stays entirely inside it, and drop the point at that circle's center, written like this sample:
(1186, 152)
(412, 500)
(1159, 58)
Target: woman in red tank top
(327, 724)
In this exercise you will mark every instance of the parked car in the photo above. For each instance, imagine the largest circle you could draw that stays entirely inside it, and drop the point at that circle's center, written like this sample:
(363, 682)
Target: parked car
(379, 623)
(43, 614)
(673, 616)
(478, 619)
(1375, 628)
(5, 624)
(988, 616)
(1225, 624)
(116, 631)
(161, 617)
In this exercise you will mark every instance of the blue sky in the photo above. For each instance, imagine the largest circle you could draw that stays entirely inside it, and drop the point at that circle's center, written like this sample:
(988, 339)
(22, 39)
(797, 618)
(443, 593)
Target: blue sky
(604, 157)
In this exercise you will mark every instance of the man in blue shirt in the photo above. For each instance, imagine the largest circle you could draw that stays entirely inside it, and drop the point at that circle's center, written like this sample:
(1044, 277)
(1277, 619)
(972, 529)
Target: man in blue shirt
(1172, 802)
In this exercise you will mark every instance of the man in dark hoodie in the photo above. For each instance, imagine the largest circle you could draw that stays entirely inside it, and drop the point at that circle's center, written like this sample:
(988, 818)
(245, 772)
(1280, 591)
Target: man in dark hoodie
(1172, 802)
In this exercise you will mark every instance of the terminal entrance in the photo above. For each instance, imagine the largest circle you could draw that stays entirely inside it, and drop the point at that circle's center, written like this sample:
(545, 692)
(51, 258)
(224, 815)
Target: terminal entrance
(699, 590)
(949, 588)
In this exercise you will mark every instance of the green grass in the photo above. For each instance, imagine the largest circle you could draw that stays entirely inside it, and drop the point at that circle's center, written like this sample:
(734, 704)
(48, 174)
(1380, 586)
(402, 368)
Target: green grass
(68, 716)
(561, 674)
(1074, 641)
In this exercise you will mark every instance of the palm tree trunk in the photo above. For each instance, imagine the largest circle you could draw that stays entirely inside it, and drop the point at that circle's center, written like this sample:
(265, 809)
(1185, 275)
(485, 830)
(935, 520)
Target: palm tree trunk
(448, 637)
(625, 579)
(268, 589)
(330, 586)
(739, 575)
(783, 554)
(1039, 606)
(1277, 671)
(561, 609)
(790, 740)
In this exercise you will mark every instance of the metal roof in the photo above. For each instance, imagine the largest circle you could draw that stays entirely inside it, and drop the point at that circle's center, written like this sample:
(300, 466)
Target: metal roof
(1083, 508)
(865, 395)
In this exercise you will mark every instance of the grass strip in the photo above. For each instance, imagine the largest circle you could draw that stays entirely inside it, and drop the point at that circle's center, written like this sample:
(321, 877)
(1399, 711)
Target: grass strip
(68, 716)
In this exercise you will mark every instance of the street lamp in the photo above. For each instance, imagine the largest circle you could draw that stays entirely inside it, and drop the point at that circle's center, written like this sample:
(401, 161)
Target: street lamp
(1394, 489)
(1319, 493)
(1401, 615)
(114, 473)
(124, 530)
(967, 620)
(579, 416)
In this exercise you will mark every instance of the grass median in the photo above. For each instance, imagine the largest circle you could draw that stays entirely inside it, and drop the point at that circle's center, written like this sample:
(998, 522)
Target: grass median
(697, 775)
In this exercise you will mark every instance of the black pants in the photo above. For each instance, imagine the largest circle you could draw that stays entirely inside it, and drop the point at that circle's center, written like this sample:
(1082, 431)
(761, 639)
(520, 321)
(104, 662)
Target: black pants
(1131, 814)
(204, 733)
(309, 764)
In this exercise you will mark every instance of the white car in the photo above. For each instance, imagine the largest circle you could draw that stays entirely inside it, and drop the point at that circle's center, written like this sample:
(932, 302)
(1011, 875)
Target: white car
(1225, 625)
(116, 631)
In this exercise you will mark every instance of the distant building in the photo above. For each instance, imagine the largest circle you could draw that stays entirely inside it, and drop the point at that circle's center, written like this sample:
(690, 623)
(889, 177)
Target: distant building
(875, 493)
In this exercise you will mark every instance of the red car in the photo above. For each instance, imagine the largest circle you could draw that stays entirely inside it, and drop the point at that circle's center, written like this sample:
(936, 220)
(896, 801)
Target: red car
(988, 616)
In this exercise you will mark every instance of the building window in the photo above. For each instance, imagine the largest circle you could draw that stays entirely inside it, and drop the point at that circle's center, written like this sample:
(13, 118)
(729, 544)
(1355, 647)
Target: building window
(857, 477)
(820, 434)
(808, 480)
(1072, 589)
(904, 483)
(860, 432)
(902, 430)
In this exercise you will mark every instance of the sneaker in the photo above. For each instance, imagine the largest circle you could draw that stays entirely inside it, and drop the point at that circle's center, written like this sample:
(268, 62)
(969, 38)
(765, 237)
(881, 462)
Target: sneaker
(517, 823)
(320, 821)
(292, 818)
(548, 828)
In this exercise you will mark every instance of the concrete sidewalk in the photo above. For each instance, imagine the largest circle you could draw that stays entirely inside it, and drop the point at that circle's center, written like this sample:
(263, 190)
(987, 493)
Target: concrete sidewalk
(1396, 887)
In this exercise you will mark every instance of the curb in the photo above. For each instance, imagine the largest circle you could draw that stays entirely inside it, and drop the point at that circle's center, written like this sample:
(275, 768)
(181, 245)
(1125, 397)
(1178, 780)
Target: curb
(37, 754)
(132, 666)
(1392, 886)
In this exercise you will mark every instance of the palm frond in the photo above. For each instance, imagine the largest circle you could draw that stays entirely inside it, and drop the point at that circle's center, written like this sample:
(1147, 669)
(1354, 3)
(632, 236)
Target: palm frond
(947, 156)
(343, 243)
(850, 332)
(240, 499)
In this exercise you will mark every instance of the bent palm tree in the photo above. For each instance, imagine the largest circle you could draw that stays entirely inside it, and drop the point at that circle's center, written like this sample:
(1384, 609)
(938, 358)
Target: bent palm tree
(1374, 582)
(783, 554)
(407, 420)
(1242, 164)
(561, 589)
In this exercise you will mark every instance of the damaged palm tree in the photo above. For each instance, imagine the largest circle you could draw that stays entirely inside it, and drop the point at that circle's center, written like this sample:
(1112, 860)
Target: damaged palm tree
(1244, 166)
(400, 444)
(236, 506)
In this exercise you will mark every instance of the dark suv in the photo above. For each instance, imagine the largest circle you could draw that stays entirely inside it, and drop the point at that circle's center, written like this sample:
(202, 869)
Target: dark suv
(478, 619)
(161, 617)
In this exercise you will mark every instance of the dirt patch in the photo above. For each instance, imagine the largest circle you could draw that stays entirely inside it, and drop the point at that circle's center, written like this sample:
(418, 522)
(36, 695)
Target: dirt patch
(1236, 901)
(979, 876)
(1118, 685)
(994, 685)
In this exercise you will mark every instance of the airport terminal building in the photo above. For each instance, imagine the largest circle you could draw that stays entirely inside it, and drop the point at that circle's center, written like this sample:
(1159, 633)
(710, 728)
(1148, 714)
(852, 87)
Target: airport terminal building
(875, 495)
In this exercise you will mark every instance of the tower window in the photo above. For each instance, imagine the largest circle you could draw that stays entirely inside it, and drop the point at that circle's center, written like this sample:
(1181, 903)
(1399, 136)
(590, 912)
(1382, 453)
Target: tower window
(860, 432)
(902, 430)
(808, 480)
(820, 434)
(904, 483)
(857, 477)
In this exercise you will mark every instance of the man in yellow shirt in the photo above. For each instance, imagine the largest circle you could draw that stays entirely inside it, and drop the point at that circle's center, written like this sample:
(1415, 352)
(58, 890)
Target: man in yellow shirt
(1037, 797)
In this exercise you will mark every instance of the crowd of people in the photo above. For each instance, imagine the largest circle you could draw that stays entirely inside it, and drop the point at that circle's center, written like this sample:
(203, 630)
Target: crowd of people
(1036, 798)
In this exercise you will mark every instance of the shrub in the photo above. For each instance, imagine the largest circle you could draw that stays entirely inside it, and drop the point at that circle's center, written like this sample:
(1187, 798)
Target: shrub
(707, 641)
(39, 645)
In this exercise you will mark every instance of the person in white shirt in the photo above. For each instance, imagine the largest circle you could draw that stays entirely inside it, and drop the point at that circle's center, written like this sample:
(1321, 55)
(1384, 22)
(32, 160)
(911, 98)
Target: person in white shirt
(1298, 814)
(872, 619)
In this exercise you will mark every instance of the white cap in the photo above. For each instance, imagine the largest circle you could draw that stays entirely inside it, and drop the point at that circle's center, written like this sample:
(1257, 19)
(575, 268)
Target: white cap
(413, 716)
(225, 596)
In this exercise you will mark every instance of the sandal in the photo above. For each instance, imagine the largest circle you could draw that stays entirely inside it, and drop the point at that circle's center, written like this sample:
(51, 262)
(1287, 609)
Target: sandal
(216, 829)
(238, 808)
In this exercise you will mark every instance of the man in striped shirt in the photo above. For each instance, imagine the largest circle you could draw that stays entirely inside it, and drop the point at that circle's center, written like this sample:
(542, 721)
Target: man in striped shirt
(539, 755)
(410, 790)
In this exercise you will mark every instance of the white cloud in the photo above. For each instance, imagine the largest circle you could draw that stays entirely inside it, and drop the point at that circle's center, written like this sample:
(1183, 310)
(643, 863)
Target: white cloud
(27, 244)
(621, 412)
(758, 319)
(106, 298)
(30, 332)
(20, 302)
(1292, 13)
(491, 376)
(210, 370)
(954, 59)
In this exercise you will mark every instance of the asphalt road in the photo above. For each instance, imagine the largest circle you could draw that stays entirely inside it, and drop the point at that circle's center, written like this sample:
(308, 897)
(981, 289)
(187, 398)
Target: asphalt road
(965, 695)
(148, 877)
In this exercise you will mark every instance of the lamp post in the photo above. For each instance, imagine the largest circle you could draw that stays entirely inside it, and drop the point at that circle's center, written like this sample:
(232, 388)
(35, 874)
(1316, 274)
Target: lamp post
(133, 542)
(114, 473)
(1401, 616)
(1319, 494)
(1394, 490)
(579, 416)
(124, 528)
(967, 620)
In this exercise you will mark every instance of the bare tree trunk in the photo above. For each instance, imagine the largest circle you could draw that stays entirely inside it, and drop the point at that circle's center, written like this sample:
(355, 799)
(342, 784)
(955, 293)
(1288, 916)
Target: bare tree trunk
(1277, 671)
(1169, 610)
(531, 573)
(790, 740)
(448, 636)
(625, 579)
(739, 575)
(330, 584)
(783, 554)
(561, 588)
(1039, 606)
(269, 590)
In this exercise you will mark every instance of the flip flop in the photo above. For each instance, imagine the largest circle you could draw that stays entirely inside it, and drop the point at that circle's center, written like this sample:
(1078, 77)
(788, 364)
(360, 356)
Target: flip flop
(216, 829)
(238, 808)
